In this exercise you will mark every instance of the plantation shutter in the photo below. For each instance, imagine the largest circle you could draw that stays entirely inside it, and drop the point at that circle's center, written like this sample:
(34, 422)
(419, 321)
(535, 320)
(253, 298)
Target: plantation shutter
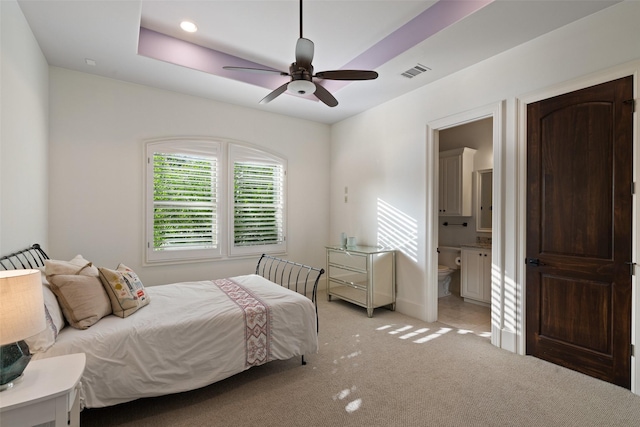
(185, 202)
(258, 202)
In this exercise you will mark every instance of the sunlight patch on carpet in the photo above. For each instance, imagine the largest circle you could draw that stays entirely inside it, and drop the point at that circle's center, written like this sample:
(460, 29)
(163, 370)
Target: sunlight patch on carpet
(403, 329)
(414, 333)
(434, 335)
(408, 332)
(354, 406)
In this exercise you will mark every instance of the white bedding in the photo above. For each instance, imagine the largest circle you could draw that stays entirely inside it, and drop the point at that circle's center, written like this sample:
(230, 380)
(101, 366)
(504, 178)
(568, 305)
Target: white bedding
(190, 335)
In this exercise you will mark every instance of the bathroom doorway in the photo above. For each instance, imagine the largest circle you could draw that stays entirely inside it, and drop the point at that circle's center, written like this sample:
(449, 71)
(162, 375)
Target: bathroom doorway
(499, 316)
(464, 291)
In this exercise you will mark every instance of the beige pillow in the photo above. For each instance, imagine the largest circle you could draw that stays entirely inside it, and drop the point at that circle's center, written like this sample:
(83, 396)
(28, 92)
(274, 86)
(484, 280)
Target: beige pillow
(79, 290)
(125, 290)
(53, 267)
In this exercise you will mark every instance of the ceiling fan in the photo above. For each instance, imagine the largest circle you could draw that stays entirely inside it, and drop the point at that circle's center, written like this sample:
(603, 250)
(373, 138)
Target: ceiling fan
(301, 73)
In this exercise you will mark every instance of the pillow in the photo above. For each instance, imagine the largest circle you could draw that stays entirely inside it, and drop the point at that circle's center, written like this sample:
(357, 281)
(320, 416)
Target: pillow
(125, 290)
(53, 267)
(79, 291)
(55, 322)
(51, 303)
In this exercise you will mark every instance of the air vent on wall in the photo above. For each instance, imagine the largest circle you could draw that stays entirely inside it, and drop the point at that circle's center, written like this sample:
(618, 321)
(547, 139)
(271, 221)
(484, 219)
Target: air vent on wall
(415, 70)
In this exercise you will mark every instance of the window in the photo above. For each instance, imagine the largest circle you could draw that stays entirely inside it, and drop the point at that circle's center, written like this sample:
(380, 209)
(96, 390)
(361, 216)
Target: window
(258, 201)
(186, 215)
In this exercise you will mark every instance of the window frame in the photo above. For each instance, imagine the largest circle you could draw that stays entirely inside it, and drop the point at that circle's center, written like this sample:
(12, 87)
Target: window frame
(227, 153)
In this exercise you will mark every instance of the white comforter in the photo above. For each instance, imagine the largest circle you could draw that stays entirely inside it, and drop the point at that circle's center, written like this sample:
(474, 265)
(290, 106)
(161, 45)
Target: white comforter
(190, 335)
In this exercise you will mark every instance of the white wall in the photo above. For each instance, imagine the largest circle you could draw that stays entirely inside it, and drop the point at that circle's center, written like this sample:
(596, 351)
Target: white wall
(381, 154)
(97, 131)
(24, 114)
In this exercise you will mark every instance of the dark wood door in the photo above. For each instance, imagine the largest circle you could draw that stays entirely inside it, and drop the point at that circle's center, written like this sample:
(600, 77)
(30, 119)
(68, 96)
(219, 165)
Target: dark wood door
(579, 212)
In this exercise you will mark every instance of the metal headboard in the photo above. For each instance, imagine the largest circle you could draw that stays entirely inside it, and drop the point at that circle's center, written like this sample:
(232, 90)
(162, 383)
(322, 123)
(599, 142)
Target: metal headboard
(297, 277)
(31, 257)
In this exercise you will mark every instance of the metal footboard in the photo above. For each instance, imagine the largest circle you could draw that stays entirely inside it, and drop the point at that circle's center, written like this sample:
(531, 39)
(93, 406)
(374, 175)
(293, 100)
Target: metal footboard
(297, 277)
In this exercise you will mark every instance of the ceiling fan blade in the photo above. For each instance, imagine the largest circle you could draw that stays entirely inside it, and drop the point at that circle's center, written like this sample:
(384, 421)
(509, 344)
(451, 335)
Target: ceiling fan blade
(347, 75)
(255, 70)
(325, 96)
(304, 51)
(273, 95)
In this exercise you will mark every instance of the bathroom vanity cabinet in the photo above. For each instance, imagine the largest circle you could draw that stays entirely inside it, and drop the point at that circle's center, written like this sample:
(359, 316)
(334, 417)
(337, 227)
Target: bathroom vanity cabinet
(362, 275)
(455, 182)
(475, 279)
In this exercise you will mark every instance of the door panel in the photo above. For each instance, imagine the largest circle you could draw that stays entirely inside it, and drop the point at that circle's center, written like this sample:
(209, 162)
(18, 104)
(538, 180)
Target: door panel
(589, 324)
(578, 286)
(576, 172)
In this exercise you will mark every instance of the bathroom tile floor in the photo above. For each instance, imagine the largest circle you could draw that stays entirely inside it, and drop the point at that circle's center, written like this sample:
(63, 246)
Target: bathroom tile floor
(454, 311)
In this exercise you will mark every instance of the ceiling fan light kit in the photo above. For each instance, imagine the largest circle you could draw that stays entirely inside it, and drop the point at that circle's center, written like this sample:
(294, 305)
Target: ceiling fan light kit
(301, 87)
(301, 73)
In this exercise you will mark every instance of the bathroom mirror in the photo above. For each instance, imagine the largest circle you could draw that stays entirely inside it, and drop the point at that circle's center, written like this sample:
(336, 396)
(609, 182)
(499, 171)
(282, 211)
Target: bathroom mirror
(484, 201)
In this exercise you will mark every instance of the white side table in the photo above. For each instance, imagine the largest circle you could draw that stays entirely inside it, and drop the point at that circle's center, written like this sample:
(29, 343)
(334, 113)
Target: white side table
(49, 391)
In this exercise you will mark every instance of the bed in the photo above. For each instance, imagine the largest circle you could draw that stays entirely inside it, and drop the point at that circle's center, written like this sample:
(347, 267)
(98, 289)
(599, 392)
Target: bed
(188, 335)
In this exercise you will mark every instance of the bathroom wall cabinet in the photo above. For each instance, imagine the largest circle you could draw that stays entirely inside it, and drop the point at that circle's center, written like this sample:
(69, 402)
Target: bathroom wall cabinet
(362, 275)
(475, 281)
(455, 182)
(484, 200)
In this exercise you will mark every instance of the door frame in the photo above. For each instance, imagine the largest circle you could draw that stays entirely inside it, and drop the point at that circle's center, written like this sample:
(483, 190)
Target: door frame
(495, 111)
(521, 162)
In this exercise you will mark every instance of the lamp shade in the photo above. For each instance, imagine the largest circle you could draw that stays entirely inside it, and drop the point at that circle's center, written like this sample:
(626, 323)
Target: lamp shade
(21, 305)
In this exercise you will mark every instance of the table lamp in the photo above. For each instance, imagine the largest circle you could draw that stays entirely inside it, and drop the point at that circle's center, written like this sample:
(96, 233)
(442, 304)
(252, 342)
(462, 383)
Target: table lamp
(21, 316)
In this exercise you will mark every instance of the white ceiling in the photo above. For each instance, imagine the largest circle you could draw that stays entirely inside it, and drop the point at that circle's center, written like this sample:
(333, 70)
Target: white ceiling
(263, 31)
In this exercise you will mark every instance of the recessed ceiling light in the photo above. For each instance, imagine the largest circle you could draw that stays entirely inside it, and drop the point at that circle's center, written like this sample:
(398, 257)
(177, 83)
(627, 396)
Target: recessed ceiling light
(188, 26)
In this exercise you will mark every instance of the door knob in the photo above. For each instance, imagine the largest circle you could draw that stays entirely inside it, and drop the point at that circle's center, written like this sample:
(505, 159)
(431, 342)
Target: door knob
(534, 261)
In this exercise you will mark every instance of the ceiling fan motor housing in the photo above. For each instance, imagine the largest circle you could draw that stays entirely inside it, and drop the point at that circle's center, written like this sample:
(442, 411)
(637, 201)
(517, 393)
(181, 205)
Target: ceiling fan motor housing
(301, 79)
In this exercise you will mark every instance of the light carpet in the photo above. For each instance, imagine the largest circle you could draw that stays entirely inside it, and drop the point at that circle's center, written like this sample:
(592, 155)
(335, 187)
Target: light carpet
(389, 370)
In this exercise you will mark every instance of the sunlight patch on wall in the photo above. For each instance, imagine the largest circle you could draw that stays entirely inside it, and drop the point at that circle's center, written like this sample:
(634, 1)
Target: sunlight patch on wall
(397, 230)
(496, 298)
(511, 313)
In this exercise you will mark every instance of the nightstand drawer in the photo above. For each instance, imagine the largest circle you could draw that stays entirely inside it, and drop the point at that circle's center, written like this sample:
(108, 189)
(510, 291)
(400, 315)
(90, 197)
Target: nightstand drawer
(348, 277)
(348, 259)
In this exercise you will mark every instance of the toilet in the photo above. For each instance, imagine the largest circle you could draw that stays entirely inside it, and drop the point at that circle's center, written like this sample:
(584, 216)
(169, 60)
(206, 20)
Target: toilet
(448, 263)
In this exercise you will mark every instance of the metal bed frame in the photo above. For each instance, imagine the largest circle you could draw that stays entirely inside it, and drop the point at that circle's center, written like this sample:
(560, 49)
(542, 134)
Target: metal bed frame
(31, 257)
(297, 277)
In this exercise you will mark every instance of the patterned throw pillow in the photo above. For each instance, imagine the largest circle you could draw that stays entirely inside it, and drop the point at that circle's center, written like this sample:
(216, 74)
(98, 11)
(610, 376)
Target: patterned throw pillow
(125, 290)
